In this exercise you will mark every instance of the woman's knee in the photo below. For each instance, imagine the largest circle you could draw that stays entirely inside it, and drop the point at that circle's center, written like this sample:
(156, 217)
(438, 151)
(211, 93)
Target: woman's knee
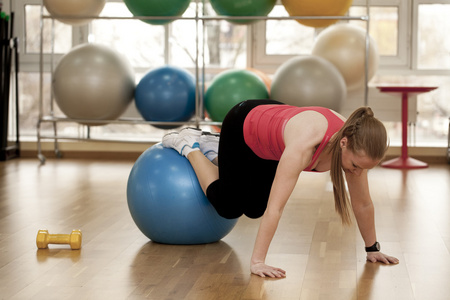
(222, 202)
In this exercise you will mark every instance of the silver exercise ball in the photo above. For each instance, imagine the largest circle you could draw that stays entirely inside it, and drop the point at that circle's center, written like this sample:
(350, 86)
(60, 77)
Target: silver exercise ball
(74, 8)
(344, 45)
(93, 82)
(309, 81)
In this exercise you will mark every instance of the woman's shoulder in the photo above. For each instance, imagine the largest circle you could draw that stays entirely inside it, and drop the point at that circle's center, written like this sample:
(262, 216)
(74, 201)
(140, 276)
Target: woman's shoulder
(306, 128)
(338, 115)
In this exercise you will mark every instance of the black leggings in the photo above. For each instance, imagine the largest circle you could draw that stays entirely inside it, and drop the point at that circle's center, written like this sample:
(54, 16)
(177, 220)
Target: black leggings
(245, 179)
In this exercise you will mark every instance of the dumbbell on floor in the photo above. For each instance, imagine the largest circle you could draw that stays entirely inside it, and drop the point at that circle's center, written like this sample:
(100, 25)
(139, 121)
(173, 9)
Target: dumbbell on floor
(73, 239)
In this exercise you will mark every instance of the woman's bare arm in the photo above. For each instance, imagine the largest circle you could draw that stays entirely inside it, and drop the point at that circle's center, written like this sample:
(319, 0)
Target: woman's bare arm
(363, 209)
(302, 133)
(286, 177)
(296, 157)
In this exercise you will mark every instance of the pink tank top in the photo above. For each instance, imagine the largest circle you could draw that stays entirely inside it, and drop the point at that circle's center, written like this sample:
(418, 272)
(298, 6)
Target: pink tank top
(264, 128)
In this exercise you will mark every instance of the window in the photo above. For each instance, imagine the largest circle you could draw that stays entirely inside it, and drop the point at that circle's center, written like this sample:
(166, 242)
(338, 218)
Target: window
(433, 46)
(409, 36)
(382, 19)
(148, 46)
(142, 44)
(431, 63)
(62, 33)
(277, 40)
(283, 39)
(287, 37)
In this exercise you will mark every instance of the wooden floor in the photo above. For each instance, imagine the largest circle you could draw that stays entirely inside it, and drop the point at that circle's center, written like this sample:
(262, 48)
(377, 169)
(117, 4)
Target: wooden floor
(323, 260)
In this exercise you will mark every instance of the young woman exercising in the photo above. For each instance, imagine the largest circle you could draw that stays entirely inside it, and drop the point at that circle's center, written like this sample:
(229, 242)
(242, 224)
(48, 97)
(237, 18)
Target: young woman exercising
(265, 145)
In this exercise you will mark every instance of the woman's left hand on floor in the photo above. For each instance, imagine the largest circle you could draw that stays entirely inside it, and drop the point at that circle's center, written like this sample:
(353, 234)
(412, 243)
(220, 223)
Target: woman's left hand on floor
(381, 257)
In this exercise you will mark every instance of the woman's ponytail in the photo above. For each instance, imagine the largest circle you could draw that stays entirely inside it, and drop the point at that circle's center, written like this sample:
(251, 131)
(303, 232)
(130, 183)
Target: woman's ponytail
(364, 133)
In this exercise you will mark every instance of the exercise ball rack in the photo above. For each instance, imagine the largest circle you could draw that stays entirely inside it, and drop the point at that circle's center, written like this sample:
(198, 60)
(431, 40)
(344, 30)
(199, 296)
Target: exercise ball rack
(48, 116)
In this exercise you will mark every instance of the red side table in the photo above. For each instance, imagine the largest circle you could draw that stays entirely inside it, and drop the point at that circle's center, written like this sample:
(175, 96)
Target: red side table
(404, 161)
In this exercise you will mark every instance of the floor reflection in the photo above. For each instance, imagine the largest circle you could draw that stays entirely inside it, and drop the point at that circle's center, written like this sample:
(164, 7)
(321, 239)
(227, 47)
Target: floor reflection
(179, 270)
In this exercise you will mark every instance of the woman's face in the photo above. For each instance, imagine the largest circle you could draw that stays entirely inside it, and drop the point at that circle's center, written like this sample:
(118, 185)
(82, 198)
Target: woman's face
(355, 162)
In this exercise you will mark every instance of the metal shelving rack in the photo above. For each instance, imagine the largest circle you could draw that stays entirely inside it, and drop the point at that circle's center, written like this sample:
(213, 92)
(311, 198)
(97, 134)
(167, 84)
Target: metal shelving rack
(200, 67)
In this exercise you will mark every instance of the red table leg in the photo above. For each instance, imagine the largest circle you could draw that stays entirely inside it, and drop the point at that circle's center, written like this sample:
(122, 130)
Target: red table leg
(404, 161)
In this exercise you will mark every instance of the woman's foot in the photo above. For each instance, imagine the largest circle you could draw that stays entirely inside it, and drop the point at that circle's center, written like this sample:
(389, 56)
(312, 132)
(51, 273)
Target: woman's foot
(185, 141)
(209, 145)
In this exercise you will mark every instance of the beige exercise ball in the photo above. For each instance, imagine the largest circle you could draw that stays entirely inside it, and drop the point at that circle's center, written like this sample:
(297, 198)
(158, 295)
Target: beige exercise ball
(344, 45)
(93, 82)
(309, 81)
(74, 8)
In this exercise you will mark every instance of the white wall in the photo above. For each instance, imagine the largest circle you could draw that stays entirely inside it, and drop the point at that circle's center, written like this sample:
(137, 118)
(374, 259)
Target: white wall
(386, 107)
(5, 5)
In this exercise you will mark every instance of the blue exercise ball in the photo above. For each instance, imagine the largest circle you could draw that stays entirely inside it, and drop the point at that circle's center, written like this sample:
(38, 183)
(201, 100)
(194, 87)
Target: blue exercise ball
(166, 94)
(167, 203)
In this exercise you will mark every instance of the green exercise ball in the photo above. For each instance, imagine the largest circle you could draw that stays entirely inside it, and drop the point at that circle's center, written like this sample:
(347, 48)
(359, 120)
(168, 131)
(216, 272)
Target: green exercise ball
(237, 8)
(157, 8)
(231, 87)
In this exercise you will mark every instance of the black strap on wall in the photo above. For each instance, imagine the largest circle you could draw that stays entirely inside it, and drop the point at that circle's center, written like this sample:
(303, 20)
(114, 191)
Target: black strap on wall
(8, 50)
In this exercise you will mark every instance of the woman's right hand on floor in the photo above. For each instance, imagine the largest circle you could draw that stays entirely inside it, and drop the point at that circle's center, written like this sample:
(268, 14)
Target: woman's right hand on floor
(264, 270)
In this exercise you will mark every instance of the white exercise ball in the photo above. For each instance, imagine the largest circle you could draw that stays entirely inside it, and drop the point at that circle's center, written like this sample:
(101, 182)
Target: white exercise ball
(344, 45)
(74, 8)
(93, 82)
(309, 81)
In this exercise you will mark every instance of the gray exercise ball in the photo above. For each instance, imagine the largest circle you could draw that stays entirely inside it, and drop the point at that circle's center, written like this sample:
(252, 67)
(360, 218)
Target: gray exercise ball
(93, 82)
(309, 81)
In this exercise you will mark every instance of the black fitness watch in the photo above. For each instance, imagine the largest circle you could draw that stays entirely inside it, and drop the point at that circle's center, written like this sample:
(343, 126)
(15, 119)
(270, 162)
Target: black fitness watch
(374, 248)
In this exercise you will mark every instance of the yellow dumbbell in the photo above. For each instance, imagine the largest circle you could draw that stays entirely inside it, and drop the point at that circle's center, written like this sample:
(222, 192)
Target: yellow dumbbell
(44, 238)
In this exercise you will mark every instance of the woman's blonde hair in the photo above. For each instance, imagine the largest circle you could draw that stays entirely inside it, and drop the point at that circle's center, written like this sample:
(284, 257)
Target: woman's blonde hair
(364, 132)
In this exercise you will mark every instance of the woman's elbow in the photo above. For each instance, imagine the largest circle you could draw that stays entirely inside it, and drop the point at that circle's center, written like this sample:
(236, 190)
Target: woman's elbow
(361, 206)
(273, 212)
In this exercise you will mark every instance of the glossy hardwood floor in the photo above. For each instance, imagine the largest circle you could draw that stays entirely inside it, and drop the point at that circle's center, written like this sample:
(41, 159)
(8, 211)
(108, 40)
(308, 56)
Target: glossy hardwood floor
(323, 259)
